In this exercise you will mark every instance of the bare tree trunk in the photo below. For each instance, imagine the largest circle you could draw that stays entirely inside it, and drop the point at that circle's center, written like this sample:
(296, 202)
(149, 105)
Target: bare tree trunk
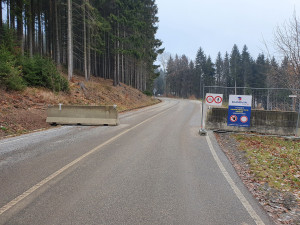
(88, 49)
(19, 11)
(70, 44)
(58, 61)
(1, 23)
(12, 14)
(115, 67)
(32, 27)
(84, 41)
(29, 25)
(118, 49)
(7, 13)
(40, 36)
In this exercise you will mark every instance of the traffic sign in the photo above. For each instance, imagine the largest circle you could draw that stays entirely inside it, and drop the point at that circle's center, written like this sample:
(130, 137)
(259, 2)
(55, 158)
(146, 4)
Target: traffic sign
(244, 119)
(210, 99)
(233, 118)
(218, 99)
(214, 99)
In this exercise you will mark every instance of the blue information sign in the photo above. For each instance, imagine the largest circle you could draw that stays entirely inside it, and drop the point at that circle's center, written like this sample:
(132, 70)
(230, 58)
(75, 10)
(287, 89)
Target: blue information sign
(239, 110)
(239, 116)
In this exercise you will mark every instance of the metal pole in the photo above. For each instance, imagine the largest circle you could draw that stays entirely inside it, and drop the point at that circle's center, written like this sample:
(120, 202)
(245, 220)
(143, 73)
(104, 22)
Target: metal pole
(268, 99)
(202, 108)
(298, 121)
(235, 86)
(202, 131)
(203, 99)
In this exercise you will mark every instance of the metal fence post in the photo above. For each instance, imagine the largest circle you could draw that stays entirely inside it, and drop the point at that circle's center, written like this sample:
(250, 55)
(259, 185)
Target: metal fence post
(297, 126)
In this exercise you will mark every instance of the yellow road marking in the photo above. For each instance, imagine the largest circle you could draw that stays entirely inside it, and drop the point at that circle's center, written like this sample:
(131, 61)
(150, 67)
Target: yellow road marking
(236, 190)
(58, 172)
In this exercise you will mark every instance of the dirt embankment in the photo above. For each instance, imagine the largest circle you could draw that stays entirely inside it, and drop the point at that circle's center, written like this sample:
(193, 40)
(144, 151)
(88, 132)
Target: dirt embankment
(22, 112)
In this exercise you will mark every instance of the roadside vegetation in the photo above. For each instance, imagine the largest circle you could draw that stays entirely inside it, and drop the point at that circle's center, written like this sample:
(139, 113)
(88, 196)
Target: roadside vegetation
(18, 71)
(273, 160)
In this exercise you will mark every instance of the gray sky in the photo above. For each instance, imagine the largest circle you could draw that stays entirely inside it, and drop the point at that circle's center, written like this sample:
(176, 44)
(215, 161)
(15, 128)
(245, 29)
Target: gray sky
(216, 25)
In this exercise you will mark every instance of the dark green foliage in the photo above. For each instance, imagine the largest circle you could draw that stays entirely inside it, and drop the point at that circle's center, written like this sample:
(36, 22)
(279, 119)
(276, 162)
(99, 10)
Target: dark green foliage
(148, 93)
(16, 71)
(9, 73)
(236, 69)
(15, 82)
(41, 72)
(113, 39)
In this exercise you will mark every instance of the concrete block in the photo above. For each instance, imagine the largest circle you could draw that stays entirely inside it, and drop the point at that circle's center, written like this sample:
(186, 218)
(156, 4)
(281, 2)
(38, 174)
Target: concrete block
(83, 115)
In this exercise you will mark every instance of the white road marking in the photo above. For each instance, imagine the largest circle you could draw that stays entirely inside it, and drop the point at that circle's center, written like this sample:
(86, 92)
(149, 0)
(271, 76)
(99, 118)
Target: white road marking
(58, 172)
(236, 190)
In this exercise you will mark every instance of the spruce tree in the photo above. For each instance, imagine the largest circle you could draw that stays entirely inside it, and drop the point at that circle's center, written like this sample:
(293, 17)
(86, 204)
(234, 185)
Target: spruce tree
(236, 79)
(219, 71)
(247, 66)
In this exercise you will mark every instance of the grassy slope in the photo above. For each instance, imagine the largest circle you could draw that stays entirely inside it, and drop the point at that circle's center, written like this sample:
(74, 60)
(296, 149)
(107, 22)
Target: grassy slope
(22, 112)
(273, 160)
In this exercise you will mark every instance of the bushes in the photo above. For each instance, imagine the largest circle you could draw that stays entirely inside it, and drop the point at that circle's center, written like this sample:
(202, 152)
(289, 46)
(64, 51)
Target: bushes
(9, 72)
(41, 72)
(17, 72)
(148, 93)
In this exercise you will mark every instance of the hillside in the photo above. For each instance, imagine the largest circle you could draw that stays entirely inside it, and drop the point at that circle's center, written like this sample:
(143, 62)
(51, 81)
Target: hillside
(23, 112)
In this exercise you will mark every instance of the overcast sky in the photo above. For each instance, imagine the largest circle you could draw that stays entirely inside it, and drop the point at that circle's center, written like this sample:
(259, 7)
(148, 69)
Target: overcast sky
(216, 25)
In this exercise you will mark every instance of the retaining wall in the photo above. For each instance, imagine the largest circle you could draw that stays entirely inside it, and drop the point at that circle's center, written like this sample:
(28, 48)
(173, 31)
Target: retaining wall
(268, 122)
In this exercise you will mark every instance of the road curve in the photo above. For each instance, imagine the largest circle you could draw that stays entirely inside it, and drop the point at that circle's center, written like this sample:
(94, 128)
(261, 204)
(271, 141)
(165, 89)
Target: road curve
(154, 168)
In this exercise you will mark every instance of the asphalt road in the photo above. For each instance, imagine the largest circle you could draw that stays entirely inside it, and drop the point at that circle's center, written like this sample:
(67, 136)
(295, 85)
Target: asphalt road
(154, 168)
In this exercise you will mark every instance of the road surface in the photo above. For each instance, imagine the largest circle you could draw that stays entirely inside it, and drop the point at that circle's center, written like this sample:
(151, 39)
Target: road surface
(154, 168)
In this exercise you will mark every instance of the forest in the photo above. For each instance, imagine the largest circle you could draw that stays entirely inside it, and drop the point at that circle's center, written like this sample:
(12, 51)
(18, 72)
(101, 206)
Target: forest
(185, 78)
(112, 39)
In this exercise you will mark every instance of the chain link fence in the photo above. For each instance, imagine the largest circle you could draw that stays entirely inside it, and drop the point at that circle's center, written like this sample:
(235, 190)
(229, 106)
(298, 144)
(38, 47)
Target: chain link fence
(277, 99)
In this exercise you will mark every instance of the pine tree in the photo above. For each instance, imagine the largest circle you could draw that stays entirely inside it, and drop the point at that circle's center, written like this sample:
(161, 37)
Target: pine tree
(226, 71)
(236, 79)
(199, 69)
(209, 73)
(247, 66)
(219, 69)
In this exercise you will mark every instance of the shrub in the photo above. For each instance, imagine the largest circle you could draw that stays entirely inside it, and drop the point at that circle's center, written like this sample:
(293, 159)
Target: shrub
(148, 93)
(15, 82)
(41, 72)
(10, 75)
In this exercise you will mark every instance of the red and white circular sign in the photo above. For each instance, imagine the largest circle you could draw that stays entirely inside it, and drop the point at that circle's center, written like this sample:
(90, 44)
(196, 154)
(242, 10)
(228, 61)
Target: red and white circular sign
(209, 99)
(233, 118)
(244, 119)
(218, 99)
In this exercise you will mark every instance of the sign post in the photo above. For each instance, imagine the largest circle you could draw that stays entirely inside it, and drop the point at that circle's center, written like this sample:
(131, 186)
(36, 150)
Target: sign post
(239, 110)
(210, 100)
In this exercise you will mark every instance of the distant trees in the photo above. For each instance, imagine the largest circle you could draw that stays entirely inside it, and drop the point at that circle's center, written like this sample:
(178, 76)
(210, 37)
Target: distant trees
(234, 70)
(240, 69)
(113, 39)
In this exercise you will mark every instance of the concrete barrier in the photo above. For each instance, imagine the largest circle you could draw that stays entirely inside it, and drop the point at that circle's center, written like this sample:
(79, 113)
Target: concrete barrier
(268, 122)
(84, 115)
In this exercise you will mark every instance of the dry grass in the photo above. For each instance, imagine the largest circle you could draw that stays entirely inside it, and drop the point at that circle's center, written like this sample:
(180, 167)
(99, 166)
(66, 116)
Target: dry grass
(274, 161)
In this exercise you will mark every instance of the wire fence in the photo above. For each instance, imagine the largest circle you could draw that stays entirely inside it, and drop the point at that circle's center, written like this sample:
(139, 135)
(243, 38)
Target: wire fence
(277, 99)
